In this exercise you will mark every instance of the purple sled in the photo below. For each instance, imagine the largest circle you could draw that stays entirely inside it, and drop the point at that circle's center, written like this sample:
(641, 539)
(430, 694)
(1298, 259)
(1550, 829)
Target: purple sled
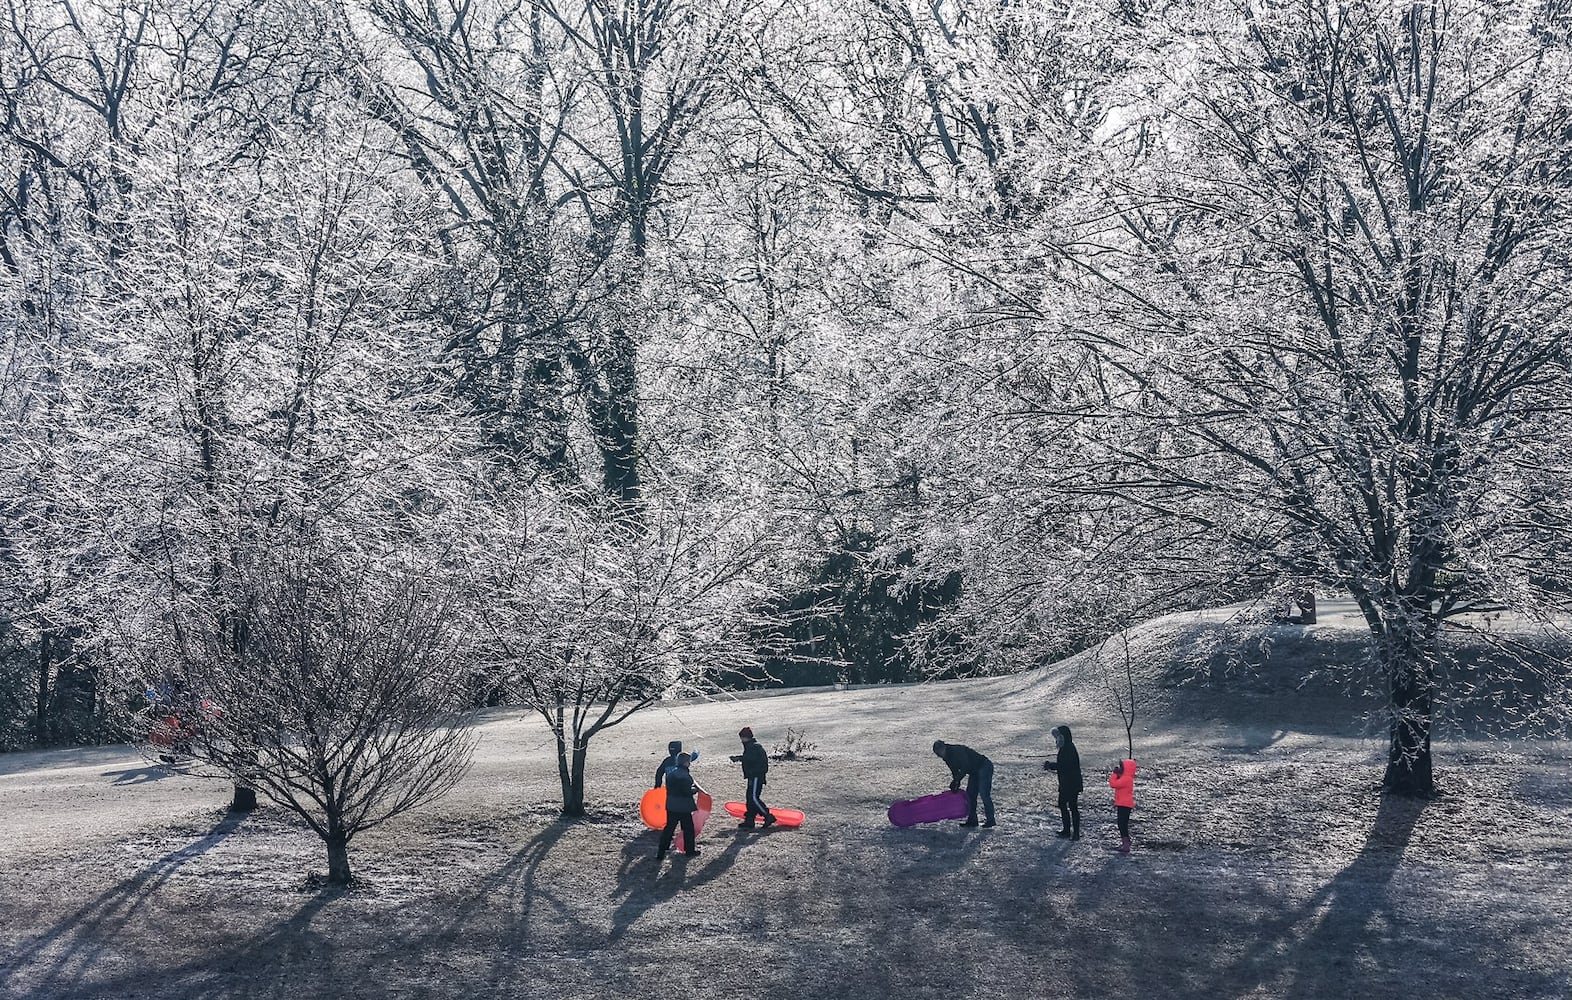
(929, 809)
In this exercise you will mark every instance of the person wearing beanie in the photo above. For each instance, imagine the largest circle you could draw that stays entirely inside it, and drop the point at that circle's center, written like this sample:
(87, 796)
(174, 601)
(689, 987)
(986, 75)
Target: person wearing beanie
(1122, 781)
(964, 762)
(682, 799)
(1068, 767)
(672, 750)
(755, 764)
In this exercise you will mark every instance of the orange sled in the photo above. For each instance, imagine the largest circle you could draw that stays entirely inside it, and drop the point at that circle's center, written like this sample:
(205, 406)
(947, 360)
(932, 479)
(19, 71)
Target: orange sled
(784, 817)
(652, 810)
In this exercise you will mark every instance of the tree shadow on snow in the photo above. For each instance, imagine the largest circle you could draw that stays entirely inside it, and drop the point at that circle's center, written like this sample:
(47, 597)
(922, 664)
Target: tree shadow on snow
(932, 911)
(1347, 909)
(1248, 939)
(137, 775)
(643, 883)
(500, 918)
(59, 962)
(269, 964)
(512, 912)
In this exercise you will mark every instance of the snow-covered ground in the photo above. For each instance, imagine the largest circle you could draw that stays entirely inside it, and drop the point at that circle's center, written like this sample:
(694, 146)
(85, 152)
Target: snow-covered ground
(1266, 866)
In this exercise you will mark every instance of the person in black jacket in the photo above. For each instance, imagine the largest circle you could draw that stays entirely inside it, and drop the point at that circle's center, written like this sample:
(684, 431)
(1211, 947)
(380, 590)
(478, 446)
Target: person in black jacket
(673, 749)
(964, 762)
(1068, 768)
(682, 799)
(755, 764)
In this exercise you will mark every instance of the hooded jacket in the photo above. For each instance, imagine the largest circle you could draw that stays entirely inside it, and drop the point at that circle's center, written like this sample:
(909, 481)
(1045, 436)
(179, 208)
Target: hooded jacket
(681, 791)
(1124, 786)
(1068, 766)
(670, 762)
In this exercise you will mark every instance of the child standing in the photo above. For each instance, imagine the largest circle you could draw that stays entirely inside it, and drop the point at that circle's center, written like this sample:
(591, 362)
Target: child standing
(682, 799)
(672, 750)
(1122, 781)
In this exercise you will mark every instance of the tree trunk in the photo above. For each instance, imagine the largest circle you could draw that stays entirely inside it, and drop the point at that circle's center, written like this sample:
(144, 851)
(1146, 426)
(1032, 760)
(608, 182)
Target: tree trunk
(338, 857)
(41, 709)
(616, 419)
(572, 802)
(576, 802)
(1409, 660)
(570, 768)
(245, 799)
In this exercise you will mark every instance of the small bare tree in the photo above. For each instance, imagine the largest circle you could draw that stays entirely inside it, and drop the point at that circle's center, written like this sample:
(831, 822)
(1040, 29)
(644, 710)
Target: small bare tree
(336, 689)
(1110, 668)
(590, 614)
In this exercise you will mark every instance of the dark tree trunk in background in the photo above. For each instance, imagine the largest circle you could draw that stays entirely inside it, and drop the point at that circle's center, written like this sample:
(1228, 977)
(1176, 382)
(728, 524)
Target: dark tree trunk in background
(616, 418)
(41, 709)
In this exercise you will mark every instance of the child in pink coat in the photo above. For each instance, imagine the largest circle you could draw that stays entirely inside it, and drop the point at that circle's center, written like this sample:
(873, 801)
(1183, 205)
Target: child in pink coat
(1122, 781)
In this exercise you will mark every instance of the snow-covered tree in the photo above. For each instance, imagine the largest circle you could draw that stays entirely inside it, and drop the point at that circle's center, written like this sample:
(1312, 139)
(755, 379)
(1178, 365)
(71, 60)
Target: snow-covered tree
(1335, 323)
(333, 684)
(589, 614)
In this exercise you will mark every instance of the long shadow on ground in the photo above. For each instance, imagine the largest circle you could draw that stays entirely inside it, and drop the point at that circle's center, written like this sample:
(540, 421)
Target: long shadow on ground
(1346, 917)
(643, 884)
(845, 910)
(60, 960)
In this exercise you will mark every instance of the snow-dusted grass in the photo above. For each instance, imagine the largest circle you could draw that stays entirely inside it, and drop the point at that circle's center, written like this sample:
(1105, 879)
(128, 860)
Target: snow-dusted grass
(1266, 866)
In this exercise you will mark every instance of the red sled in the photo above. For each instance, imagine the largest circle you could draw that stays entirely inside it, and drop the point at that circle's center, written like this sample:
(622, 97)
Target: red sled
(929, 809)
(783, 817)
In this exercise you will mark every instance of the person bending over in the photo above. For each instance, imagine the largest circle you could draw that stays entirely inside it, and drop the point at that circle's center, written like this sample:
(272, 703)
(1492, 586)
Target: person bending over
(964, 762)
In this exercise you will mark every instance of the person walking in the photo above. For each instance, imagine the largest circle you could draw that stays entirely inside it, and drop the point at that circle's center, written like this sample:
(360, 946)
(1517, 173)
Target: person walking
(1067, 766)
(964, 762)
(682, 799)
(1122, 781)
(755, 765)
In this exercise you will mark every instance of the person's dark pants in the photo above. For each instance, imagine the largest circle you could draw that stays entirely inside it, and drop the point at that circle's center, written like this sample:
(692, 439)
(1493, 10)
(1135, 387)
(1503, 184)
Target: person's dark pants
(980, 783)
(755, 801)
(673, 819)
(1070, 812)
(1124, 820)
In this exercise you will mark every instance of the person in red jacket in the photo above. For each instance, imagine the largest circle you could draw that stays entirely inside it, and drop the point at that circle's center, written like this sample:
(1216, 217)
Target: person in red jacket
(1122, 781)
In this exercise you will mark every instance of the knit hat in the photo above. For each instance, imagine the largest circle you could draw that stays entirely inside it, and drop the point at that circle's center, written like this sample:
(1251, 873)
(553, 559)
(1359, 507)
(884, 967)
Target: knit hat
(675, 746)
(746, 732)
(938, 747)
